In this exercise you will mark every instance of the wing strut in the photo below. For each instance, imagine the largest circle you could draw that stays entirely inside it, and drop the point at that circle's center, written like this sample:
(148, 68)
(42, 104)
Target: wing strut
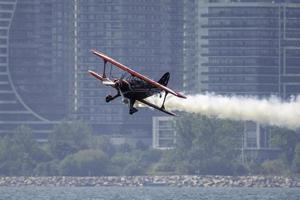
(105, 61)
(163, 104)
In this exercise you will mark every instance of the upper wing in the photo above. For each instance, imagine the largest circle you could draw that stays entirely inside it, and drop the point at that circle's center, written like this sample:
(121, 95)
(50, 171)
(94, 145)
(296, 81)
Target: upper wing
(156, 107)
(134, 73)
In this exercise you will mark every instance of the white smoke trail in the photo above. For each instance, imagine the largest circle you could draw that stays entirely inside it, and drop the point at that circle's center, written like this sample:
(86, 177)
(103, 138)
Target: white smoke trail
(271, 111)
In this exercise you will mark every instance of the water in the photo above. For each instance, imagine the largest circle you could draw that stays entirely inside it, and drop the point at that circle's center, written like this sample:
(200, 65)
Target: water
(146, 193)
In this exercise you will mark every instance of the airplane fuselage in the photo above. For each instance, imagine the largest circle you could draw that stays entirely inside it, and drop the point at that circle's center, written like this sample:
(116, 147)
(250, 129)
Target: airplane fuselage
(135, 89)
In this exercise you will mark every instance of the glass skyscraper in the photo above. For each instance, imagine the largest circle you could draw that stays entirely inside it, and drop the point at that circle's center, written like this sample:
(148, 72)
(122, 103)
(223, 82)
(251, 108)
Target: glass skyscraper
(8, 100)
(243, 47)
(45, 55)
(36, 63)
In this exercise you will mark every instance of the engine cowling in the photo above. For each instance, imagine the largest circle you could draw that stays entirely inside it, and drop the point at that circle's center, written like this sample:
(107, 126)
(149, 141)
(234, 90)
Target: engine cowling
(122, 84)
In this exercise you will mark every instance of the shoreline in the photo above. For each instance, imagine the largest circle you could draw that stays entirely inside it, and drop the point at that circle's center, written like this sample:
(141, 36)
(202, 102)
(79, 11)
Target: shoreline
(140, 181)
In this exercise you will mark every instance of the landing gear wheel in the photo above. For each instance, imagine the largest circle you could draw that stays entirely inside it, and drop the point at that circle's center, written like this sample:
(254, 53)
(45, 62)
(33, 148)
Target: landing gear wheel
(125, 101)
(132, 110)
(108, 98)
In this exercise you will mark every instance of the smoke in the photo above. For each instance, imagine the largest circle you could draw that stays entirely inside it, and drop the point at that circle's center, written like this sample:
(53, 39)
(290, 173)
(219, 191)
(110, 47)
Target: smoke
(271, 111)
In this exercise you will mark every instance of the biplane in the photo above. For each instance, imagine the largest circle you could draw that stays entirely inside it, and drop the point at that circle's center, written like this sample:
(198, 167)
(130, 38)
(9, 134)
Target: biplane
(136, 87)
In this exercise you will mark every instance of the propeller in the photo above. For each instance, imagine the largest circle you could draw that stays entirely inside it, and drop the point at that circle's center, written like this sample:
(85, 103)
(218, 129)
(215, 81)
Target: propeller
(120, 82)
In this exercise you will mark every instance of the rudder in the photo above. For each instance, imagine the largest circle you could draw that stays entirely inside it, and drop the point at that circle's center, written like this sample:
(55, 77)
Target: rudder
(164, 79)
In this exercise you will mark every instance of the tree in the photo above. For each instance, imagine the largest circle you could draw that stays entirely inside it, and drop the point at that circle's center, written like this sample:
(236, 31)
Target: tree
(166, 164)
(118, 163)
(68, 138)
(125, 148)
(146, 158)
(122, 159)
(49, 168)
(20, 153)
(140, 145)
(85, 163)
(133, 169)
(286, 140)
(274, 167)
(103, 143)
(206, 145)
(296, 160)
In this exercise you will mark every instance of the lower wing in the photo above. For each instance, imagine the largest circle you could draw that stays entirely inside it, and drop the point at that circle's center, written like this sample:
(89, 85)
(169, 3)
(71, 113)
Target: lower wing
(105, 81)
(157, 107)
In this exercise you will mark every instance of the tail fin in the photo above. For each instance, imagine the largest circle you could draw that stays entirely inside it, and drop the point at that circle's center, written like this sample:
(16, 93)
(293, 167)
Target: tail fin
(164, 79)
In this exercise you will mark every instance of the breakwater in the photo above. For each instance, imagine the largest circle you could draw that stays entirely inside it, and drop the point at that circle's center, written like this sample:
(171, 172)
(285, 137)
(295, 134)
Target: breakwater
(135, 181)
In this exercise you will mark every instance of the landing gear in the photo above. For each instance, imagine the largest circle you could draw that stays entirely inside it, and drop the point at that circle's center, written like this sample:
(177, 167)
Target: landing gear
(125, 101)
(131, 108)
(109, 98)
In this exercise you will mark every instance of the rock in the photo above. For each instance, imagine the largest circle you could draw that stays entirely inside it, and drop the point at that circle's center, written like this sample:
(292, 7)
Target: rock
(138, 181)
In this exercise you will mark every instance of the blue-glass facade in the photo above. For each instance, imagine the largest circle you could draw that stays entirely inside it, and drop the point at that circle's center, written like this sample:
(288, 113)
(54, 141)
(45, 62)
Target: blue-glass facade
(244, 47)
(38, 58)
(8, 100)
(46, 55)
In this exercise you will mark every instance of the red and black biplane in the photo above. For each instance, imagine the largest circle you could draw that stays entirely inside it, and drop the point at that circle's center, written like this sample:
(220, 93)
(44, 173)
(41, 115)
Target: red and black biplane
(136, 87)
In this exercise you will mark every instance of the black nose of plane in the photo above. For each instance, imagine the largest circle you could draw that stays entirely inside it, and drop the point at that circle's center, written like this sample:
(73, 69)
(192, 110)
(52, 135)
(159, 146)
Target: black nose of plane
(121, 84)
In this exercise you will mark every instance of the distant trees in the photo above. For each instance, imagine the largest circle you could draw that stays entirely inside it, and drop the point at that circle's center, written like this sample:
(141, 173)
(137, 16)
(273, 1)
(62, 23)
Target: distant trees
(287, 141)
(207, 145)
(68, 138)
(296, 160)
(85, 163)
(204, 146)
(273, 167)
(71, 150)
(20, 154)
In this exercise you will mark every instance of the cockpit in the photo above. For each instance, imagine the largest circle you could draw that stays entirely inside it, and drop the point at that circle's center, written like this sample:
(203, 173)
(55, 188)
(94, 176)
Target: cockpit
(133, 78)
(135, 81)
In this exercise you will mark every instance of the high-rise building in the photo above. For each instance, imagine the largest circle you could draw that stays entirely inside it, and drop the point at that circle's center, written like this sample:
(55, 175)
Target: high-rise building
(36, 64)
(144, 35)
(45, 55)
(7, 97)
(243, 47)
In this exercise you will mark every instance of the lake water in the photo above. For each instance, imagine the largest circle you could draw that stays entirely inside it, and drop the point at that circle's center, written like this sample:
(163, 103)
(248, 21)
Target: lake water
(146, 193)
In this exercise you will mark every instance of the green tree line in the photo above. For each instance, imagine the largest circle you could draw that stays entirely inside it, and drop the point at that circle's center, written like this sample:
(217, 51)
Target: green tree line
(205, 146)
